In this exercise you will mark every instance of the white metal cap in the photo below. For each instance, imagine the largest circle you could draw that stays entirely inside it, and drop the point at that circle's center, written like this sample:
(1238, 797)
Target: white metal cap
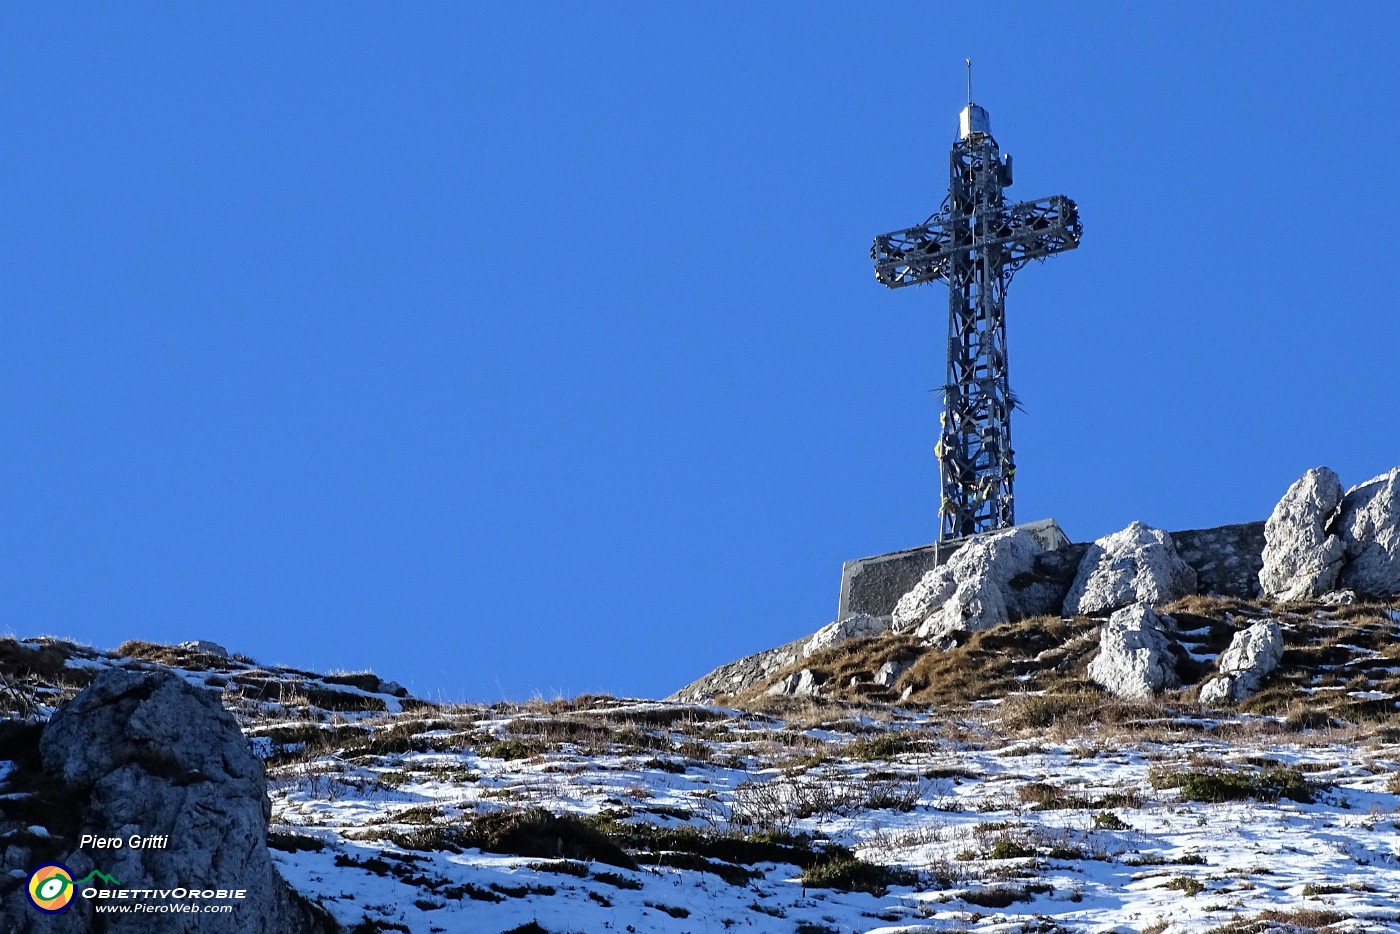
(974, 120)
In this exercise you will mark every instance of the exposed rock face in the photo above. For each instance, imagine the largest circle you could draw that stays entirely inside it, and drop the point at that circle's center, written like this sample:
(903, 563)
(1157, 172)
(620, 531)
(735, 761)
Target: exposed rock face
(1135, 657)
(991, 579)
(1252, 656)
(145, 753)
(798, 684)
(890, 671)
(1369, 524)
(1302, 561)
(1136, 565)
(202, 646)
(741, 673)
(858, 626)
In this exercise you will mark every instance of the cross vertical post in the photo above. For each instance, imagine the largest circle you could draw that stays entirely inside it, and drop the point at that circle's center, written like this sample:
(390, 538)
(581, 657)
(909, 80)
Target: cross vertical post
(976, 242)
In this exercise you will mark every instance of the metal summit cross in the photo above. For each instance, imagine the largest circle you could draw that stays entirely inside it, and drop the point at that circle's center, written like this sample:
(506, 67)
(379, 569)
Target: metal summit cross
(977, 242)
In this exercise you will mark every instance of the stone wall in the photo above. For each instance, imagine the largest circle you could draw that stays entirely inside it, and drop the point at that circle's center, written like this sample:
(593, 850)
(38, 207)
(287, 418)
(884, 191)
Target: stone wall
(1227, 558)
(874, 585)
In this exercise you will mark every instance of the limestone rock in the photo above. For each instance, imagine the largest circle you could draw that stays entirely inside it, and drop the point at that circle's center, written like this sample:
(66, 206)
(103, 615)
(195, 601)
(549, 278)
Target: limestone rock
(742, 673)
(1369, 524)
(1135, 658)
(1301, 560)
(1252, 656)
(1136, 565)
(145, 753)
(798, 684)
(889, 673)
(858, 626)
(990, 580)
(205, 648)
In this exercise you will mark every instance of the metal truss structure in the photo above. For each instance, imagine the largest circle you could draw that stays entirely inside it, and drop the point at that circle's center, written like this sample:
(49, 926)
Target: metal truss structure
(976, 242)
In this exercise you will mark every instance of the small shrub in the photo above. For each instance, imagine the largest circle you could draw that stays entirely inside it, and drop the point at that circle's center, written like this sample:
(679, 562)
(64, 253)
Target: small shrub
(1000, 896)
(1214, 786)
(1039, 711)
(850, 874)
(883, 746)
(1156, 859)
(566, 866)
(1107, 820)
(674, 911)
(617, 881)
(538, 833)
(1046, 797)
(1185, 884)
(290, 842)
(511, 749)
(1304, 917)
(376, 926)
(520, 891)
(1306, 719)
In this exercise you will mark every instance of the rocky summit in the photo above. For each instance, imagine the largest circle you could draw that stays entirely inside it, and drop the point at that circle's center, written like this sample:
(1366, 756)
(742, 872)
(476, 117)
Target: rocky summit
(1122, 735)
(1318, 544)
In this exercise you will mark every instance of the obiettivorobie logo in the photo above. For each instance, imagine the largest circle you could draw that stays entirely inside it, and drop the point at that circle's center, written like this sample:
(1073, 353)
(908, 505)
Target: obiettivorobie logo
(51, 886)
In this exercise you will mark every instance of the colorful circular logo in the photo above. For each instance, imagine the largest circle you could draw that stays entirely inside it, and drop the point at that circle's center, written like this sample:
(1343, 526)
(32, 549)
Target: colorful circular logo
(51, 888)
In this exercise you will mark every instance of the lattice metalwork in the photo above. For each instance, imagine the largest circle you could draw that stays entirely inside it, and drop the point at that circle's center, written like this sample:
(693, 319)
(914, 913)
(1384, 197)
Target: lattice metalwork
(976, 242)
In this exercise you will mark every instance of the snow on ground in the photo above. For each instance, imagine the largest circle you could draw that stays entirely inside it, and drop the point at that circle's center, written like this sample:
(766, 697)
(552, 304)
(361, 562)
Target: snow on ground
(992, 833)
(827, 819)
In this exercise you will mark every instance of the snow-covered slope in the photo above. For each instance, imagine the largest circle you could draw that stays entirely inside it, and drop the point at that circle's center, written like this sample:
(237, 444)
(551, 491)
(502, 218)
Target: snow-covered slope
(1036, 811)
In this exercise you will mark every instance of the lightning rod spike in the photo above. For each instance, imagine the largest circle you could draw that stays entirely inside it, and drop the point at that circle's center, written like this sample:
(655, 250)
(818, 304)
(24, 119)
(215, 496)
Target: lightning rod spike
(969, 81)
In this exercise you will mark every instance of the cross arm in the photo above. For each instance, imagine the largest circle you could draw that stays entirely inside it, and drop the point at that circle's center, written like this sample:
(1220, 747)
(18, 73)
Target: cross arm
(1021, 232)
(914, 255)
(1035, 229)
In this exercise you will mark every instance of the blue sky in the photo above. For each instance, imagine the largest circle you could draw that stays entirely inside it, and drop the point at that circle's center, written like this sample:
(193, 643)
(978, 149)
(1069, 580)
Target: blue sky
(534, 348)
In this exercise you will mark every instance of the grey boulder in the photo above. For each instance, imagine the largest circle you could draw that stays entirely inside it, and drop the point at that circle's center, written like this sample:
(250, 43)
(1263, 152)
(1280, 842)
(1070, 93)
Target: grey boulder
(890, 671)
(1252, 656)
(1301, 560)
(1135, 658)
(798, 684)
(1138, 564)
(1369, 525)
(858, 626)
(990, 580)
(146, 754)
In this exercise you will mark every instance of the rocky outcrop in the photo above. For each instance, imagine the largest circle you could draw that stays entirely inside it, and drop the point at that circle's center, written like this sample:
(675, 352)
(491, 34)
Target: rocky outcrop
(1252, 656)
(857, 626)
(1136, 565)
(991, 579)
(1135, 658)
(146, 754)
(1301, 560)
(204, 648)
(798, 684)
(1369, 525)
(752, 670)
(889, 672)
(740, 674)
